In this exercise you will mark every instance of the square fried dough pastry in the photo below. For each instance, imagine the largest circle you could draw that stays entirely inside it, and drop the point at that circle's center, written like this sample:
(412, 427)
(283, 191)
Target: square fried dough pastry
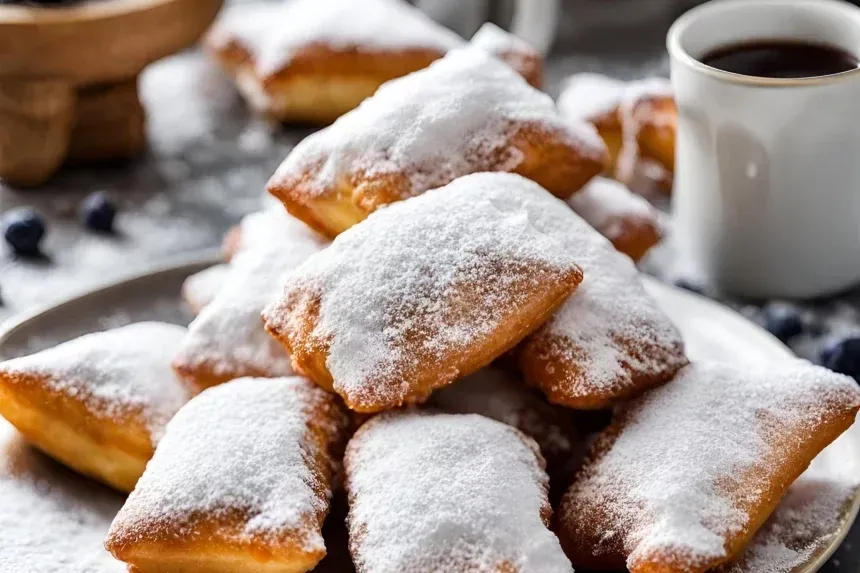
(628, 220)
(445, 492)
(517, 53)
(241, 482)
(685, 476)
(53, 520)
(466, 113)
(425, 291)
(635, 119)
(202, 287)
(227, 340)
(501, 395)
(314, 60)
(98, 403)
(609, 341)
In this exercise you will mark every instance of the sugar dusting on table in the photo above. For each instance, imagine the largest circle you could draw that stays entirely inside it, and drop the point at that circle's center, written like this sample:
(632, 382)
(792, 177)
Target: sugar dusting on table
(443, 268)
(52, 520)
(432, 126)
(249, 446)
(443, 492)
(115, 373)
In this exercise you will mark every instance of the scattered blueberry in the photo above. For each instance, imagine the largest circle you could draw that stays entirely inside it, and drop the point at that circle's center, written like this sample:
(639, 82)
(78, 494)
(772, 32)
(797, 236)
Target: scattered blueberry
(687, 284)
(23, 229)
(98, 212)
(783, 321)
(843, 356)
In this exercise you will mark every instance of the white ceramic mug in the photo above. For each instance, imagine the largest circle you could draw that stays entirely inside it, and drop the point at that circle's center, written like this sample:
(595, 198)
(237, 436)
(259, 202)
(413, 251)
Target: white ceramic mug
(767, 182)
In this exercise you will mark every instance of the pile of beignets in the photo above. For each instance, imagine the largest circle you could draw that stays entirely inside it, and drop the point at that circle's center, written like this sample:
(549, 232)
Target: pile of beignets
(433, 323)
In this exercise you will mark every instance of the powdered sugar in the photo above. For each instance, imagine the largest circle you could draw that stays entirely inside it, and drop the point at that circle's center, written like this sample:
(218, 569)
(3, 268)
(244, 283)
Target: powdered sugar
(52, 520)
(610, 330)
(199, 289)
(442, 492)
(423, 280)
(690, 455)
(499, 42)
(432, 126)
(115, 373)
(605, 204)
(274, 33)
(250, 448)
(227, 340)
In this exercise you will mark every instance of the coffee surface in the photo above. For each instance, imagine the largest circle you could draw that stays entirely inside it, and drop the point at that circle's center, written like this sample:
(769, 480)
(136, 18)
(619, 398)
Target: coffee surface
(781, 59)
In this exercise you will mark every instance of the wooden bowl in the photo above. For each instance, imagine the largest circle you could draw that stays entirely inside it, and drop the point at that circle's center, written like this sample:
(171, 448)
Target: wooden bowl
(68, 78)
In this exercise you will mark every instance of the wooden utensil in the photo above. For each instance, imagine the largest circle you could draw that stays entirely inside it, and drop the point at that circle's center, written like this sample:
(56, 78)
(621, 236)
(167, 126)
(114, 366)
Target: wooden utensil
(68, 78)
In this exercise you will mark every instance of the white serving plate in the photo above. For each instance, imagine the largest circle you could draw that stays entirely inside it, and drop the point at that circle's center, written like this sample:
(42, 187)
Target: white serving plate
(709, 329)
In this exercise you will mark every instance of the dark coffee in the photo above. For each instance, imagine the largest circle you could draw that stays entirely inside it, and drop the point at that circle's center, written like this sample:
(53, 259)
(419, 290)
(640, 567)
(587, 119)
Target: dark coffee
(781, 59)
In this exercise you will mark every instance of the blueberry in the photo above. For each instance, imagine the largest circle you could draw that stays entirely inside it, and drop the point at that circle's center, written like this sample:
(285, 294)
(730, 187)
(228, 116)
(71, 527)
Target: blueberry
(783, 321)
(98, 212)
(843, 356)
(23, 229)
(687, 284)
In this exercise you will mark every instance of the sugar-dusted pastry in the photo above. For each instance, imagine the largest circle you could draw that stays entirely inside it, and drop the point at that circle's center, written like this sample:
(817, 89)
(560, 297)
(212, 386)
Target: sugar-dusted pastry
(498, 394)
(623, 217)
(199, 289)
(227, 340)
(517, 53)
(53, 520)
(688, 473)
(314, 60)
(98, 403)
(240, 482)
(656, 115)
(469, 112)
(626, 114)
(425, 291)
(609, 341)
(446, 492)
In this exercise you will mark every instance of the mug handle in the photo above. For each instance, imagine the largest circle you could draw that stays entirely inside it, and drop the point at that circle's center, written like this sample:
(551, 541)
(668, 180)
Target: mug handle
(536, 21)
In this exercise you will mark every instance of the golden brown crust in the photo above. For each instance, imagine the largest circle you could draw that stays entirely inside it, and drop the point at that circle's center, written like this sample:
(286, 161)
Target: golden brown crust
(320, 83)
(548, 158)
(657, 118)
(112, 449)
(636, 236)
(528, 65)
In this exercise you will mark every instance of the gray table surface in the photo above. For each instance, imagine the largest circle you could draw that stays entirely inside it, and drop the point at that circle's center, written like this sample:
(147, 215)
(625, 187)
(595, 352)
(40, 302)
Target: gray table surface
(206, 166)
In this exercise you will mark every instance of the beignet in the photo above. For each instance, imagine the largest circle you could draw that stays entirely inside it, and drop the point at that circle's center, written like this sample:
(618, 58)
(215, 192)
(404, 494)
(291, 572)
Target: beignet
(98, 403)
(201, 288)
(625, 218)
(53, 520)
(627, 115)
(240, 482)
(227, 340)
(468, 112)
(688, 473)
(445, 492)
(607, 342)
(425, 291)
(313, 60)
(517, 53)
